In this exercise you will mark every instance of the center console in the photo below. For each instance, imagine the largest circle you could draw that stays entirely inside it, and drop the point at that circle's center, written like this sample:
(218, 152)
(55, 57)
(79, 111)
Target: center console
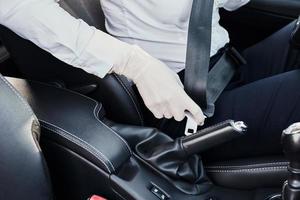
(88, 154)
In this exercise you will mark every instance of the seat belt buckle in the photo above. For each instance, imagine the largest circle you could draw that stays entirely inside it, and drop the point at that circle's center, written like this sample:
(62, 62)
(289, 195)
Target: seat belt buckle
(236, 56)
(191, 125)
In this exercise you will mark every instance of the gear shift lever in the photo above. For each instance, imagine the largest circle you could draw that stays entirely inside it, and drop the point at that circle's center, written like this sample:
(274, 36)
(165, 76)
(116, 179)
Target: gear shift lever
(291, 146)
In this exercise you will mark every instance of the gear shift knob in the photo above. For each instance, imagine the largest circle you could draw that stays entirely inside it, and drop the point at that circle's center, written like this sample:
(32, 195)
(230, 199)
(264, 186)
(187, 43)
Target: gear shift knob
(291, 147)
(291, 144)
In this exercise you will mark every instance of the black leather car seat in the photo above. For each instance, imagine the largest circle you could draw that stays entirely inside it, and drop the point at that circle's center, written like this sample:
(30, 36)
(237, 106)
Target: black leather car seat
(115, 92)
(23, 172)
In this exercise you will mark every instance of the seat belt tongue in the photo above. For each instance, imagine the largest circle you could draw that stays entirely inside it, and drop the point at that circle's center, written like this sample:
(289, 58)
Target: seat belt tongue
(191, 125)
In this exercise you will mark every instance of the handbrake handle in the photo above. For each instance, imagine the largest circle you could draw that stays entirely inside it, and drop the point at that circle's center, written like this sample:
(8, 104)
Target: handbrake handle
(213, 136)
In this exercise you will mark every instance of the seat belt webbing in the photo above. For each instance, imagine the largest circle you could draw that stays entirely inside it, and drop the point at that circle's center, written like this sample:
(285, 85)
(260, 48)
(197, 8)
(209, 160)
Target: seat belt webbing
(204, 86)
(198, 51)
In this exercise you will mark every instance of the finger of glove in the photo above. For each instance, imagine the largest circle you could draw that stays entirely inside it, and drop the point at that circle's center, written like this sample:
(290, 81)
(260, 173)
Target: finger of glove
(165, 111)
(167, 114)
(178, 115)
(195, 111)
(156, 111)
(177, 111)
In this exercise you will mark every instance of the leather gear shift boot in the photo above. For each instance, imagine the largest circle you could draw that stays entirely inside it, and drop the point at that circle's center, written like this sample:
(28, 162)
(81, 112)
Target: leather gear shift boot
(168, 156)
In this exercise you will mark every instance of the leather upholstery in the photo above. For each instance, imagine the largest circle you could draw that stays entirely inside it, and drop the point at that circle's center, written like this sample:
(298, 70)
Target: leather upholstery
(120, 101)
(23, 172)
(114, 91)
(72, 120)
(167, 156)
(249, 173)
(238, 174)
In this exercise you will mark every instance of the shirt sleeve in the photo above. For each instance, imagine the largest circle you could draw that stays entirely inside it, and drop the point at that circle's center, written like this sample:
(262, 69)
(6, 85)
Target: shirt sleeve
(232, 5)
(69, 39)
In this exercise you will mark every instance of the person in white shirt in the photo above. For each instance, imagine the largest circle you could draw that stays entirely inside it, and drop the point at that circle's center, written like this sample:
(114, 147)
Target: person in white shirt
(139, 26)
(161, 28)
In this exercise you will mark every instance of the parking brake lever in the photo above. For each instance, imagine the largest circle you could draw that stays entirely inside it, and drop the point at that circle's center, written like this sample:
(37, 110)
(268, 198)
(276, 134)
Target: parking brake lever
(213, 136)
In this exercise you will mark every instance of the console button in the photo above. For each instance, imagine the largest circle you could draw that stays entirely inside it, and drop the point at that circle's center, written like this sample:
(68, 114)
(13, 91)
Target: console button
(159, 193)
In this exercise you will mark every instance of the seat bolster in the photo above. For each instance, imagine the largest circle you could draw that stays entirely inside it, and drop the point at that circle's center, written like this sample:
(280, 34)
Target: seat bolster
(23, 171)
(120, 101)
(249, 173)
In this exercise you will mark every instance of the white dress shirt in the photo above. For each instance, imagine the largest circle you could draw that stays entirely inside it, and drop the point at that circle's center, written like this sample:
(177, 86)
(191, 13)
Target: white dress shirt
(158, 26)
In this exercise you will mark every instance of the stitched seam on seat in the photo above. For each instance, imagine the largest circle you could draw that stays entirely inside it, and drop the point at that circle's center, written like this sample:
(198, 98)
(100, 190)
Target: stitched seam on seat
(249, 165)
(27, 107)
(75, 93)
(91, 150)
(263, 169)
(94, 112)
(78, 141)
(131, 97)
(123, 141)
(143, 142)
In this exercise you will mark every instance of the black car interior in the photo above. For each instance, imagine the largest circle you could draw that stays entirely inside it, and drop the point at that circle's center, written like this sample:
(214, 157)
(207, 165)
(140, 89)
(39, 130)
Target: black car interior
(246, 26)
(89, 154)
(93, 133)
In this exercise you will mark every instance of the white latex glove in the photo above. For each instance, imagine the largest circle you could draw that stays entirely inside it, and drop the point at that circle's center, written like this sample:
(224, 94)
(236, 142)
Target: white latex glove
(232, 5)
(160, 87)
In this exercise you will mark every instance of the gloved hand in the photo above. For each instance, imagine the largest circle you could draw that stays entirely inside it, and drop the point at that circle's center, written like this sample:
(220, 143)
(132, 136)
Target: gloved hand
(160, 87)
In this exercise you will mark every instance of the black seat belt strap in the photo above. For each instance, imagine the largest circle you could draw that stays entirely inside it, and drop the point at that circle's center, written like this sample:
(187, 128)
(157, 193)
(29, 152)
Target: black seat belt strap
(218, 78)
(205, 86)
(198, 51)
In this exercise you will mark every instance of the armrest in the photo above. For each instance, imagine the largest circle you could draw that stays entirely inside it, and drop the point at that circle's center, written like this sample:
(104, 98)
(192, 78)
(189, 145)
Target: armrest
(72, 120)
